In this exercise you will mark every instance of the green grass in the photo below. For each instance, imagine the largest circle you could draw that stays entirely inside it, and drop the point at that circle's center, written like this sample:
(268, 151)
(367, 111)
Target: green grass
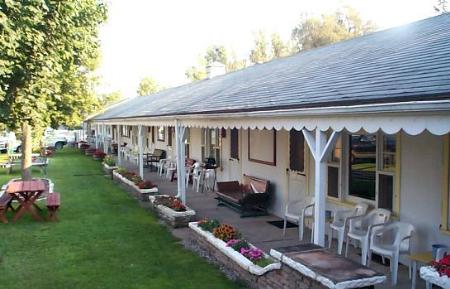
(103, 240)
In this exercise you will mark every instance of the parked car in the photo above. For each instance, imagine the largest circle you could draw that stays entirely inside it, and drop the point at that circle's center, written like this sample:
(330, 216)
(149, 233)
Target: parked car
(8, 141)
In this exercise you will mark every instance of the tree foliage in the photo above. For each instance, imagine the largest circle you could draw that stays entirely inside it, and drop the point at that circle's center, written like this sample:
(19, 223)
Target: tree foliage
(48, 50)
(260, 53)
(441, 6)
(148, 85)
(313, 32)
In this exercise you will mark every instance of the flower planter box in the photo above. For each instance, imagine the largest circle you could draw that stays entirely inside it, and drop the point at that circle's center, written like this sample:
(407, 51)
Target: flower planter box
(89, 152)
(141, 194)
(237, 257)
(171, 217)
(109, 169)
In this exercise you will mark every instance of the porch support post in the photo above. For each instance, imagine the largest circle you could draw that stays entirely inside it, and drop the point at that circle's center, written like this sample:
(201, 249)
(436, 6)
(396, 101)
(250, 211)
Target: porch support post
(105, 145)
(97, 135)
(320, 149)
(141, 151)
(119, 142)
(181, 172)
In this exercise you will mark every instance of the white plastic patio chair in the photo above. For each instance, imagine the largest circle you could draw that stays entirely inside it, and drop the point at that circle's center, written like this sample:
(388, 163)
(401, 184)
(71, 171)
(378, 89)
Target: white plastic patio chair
(391, 240)
(360, 228)
(161, 167)
(171, 167)
(209, 179)
(197, 177)
(298, 212)
(340, 223)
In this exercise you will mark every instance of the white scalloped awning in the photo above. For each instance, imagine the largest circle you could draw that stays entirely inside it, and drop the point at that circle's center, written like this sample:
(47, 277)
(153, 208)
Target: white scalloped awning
(411, 119)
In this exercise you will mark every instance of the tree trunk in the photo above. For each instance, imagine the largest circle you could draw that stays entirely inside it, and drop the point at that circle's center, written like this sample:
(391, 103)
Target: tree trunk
(26, 151)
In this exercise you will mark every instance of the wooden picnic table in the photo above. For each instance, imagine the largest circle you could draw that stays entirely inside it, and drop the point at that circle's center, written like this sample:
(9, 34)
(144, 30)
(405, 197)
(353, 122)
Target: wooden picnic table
(328, 268)
(26, 193)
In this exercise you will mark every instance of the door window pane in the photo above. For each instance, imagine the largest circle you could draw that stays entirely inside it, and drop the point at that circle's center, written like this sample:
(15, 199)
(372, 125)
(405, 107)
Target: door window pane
(362, 175)
(333, 182)
(296, 151)
(234, 143)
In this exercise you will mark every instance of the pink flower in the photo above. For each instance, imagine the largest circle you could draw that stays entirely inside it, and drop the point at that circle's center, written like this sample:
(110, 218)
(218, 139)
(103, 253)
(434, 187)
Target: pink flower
(253, 254)
(232, 242)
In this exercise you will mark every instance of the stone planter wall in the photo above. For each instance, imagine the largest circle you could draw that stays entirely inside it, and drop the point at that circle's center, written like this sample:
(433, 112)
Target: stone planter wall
(172, 218)
(109, 169)
(284, 278)
(142, 195)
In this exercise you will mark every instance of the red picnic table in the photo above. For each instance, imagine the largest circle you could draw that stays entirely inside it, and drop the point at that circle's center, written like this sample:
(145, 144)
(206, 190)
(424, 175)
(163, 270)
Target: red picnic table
(26, 193)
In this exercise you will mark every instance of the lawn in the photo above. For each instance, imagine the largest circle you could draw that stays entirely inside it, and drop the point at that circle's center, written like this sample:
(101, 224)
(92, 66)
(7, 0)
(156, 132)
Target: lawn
(103, 240)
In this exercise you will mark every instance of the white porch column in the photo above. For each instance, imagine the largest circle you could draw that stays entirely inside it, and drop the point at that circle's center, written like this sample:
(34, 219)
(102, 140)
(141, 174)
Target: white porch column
(181, 172)
(97, 135)
(105, 145)
(141, 151)
(119, 143)
(320, 149)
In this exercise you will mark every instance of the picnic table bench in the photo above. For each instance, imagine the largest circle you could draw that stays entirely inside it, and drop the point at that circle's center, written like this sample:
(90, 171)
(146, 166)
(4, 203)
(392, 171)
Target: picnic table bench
(5, 203)
(53, 203)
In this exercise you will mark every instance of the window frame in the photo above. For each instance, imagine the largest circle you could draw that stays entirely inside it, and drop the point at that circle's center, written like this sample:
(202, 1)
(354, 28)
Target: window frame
(396, 174)
(206, 144)
(302, 172)
(159, 134)
(338, 165)
(234, 146)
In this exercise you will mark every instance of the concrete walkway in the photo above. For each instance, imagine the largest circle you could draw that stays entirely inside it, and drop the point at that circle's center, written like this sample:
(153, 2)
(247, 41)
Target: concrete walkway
(256, 229)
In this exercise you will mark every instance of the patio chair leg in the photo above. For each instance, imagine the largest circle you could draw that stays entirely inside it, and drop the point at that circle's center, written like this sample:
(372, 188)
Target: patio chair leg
(284, 227)
(394, 262)
(369, 257)
(301, 227)
(346, 246)
(330, 237)
(340, 241)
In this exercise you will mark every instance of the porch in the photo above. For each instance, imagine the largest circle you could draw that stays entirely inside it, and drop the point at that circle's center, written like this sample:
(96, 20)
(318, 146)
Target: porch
(256, 229)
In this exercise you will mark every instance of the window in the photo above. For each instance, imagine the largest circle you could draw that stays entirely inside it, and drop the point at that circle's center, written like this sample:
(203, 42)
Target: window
(296, 151)
(126, 131)
(363, 160)
(187, 141)
(153, 134)
(169, 136)
(386, 171)
(334, 170)
(161, 133)
(234, 143)
(372, 168)
(211, 144)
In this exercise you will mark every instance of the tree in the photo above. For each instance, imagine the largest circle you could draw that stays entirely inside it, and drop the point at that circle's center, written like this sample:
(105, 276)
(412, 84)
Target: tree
(441, 6)
(49, 49)
(148, 85)
(329, 28)
(279, 47)
(260, 53)
(107, 99)
(216, 53)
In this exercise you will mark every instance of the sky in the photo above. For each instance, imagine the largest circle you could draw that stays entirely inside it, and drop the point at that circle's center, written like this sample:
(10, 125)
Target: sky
(161, 39)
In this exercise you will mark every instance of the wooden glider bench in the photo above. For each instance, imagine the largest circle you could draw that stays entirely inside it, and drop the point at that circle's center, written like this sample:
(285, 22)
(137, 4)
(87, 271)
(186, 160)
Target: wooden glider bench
(251, 198)
(5, 203)
(53, 203)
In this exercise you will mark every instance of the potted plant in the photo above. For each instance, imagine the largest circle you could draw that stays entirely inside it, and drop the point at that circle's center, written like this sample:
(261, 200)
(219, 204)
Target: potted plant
(98, 155)
(172, 210)
(229, 241)
(140, 188)
(109, 165)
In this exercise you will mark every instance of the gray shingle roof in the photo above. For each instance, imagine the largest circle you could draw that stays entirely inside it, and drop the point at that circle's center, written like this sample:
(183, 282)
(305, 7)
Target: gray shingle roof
(406, 63)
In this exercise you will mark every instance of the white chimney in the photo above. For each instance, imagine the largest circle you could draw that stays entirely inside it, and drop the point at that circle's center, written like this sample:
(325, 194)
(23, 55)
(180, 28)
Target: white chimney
(214, 69)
